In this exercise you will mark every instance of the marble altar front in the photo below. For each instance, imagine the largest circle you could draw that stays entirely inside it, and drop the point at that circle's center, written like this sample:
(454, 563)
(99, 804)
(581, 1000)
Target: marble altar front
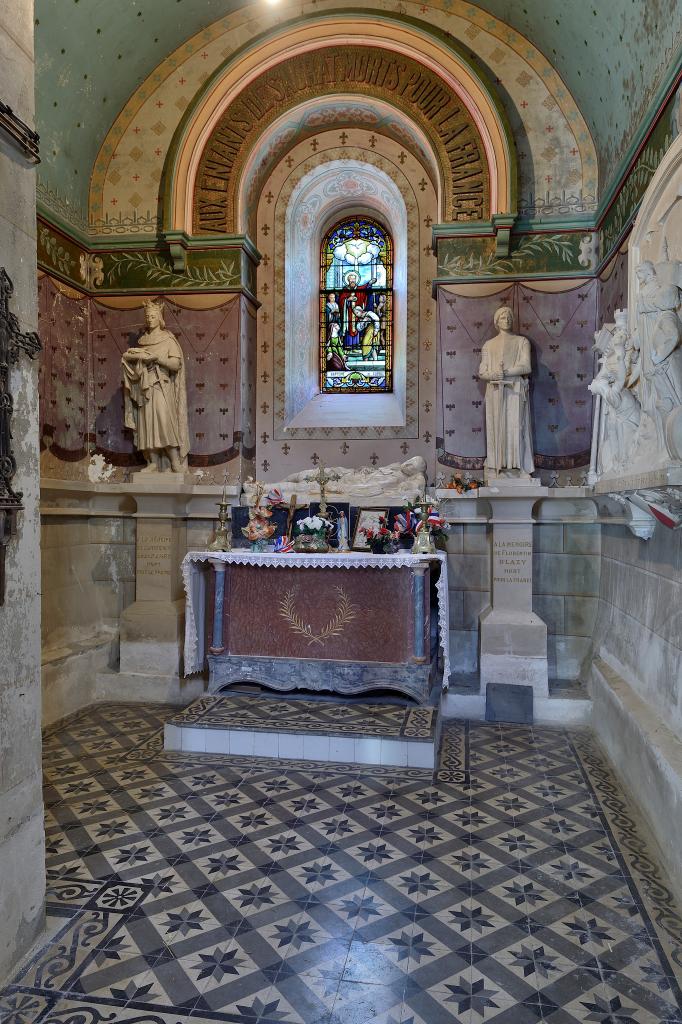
(349, 623)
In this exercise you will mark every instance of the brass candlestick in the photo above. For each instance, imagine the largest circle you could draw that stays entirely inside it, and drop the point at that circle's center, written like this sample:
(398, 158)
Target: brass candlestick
(222, 540)
(423, 541)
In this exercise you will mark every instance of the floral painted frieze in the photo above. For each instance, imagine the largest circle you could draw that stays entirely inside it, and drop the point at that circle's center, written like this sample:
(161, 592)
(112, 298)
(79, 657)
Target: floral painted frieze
(540, 255)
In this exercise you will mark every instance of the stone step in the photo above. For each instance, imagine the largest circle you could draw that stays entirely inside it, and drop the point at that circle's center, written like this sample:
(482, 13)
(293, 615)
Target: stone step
(254, 725)
(568, 705)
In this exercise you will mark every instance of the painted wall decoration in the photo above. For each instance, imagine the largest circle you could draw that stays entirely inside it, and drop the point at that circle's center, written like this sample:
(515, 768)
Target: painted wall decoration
(80, 389)
(622, 211)
(212, 268)
(366, 70)
(64, 375)
(284, 444)
(557, 160)
(613, 287)
(546, 254)
(560, 326)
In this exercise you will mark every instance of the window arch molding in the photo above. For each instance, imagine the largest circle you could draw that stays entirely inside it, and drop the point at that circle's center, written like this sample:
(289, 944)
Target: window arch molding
(326, 195)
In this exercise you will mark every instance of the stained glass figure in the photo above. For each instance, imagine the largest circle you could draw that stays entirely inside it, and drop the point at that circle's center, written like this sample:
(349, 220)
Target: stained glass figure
(356, 308)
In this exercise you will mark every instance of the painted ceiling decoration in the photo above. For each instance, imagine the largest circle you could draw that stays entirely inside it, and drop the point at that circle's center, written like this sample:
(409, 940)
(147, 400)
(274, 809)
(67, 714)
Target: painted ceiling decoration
(306, 121)
(144, 69)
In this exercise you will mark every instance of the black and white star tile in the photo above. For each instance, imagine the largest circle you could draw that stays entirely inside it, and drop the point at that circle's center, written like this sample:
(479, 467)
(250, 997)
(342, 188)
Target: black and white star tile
(512, 885)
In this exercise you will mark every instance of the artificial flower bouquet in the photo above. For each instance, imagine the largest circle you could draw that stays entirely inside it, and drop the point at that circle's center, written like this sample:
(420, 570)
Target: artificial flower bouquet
(312, 534)
(381, 540)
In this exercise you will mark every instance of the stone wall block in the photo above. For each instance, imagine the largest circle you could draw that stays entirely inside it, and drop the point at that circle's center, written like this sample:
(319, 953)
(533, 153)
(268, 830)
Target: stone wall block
(453, 542)
(469, 572)
(456, 602)
(16, 26)
(667, 613)
(474, 603)
(580, 615)
(582, 538)
(463, 651)
(568, 656)
(115, 563)
(129, 530)
(200, 533)
(566, 574)
(108, 530)
(634, 592)
(551, 611)
(475, 539)
(548, 537)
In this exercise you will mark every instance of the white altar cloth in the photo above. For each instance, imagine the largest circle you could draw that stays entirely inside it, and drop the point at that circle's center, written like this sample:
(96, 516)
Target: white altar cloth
(195, 588)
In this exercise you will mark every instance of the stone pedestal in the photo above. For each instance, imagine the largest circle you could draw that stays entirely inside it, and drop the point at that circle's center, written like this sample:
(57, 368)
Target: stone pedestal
(152, 628)
(513, 639)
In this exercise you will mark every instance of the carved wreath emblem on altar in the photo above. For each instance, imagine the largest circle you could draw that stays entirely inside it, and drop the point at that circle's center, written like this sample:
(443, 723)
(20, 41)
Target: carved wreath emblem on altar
(335, 627)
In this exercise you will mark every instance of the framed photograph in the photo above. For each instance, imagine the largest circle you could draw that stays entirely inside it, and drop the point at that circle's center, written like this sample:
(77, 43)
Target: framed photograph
(366, 519)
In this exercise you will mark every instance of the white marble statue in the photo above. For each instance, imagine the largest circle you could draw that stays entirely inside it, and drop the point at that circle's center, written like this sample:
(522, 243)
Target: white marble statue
(617, 412)
(657, 340)
(155, 395)
(505, 365)
(399, 479)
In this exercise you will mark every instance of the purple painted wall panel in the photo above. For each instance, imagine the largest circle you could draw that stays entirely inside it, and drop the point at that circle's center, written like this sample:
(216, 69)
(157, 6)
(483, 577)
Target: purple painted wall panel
(64, 371)
(465, 323)
(560, 326)
(81, 399)
(613, 292)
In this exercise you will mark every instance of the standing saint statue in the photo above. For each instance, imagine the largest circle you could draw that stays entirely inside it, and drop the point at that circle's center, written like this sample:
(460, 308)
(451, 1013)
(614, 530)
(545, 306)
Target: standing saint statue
(155, 395)
(505, 365)
(658, 340)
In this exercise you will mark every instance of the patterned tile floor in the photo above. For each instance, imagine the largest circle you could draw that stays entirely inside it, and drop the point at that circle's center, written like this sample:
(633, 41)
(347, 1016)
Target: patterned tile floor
(190, 888)
(361, 718)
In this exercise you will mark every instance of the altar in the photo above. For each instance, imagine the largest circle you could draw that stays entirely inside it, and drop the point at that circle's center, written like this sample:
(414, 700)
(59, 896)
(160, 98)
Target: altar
(347, 623)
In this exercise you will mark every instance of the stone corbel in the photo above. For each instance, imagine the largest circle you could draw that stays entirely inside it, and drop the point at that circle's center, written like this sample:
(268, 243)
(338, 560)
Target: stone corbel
(176, 242)
(663, 503)
(641, 522)
(502, 226)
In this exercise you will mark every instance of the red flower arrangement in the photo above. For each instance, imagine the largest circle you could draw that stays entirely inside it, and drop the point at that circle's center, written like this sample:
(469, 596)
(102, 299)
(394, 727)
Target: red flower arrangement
(382, 540)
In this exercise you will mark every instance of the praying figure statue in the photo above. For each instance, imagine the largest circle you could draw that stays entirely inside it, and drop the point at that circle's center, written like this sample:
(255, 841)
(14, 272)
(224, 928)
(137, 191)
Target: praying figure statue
(505, 365)
(155, 395)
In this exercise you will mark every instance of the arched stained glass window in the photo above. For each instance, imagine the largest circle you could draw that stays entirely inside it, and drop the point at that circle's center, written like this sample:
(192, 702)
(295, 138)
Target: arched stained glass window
(356, 308)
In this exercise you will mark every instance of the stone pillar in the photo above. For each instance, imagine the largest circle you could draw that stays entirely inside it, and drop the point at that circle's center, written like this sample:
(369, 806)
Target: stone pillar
(513, 639)
(152, 627)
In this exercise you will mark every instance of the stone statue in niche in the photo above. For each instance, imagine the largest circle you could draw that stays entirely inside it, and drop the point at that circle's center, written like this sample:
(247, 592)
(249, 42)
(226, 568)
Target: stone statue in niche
(618, 412)
(505, 365)
(155, 395)
(656, 339)
(399, 479)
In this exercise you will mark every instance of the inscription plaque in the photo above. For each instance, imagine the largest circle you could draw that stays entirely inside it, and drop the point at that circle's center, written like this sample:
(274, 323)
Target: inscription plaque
(402, 81)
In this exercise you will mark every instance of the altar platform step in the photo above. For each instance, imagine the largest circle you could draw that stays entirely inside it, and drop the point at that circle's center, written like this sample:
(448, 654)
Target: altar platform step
(357, 732)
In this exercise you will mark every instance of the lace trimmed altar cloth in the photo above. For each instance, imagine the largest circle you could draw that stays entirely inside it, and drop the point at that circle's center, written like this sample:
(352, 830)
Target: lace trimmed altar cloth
(195, 581)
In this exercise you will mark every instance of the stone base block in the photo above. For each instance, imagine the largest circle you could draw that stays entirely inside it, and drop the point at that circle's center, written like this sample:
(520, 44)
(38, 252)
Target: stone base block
(141, 686)
(68, 682)
(507, 669)
(564, 713)
(152, 636)
(513, 650)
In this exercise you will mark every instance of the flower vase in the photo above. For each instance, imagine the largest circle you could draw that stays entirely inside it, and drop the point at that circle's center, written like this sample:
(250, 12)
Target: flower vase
(259, 546)
(311, 543)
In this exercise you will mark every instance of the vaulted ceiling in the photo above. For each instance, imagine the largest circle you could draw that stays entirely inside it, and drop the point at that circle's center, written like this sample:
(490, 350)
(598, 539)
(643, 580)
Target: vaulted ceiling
(92, 54)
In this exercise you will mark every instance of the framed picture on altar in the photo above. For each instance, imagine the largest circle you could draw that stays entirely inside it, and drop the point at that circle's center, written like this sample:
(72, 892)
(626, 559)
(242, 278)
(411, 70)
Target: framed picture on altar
(366, 519)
